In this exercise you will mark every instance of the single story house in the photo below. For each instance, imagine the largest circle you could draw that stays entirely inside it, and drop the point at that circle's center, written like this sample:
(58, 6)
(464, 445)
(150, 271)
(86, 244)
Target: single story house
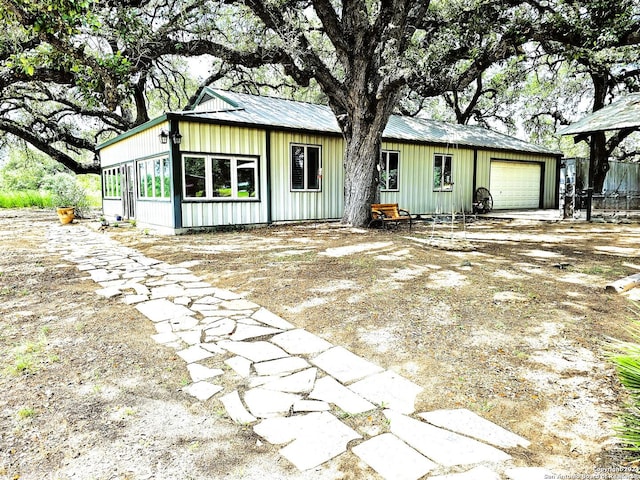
(239, 159)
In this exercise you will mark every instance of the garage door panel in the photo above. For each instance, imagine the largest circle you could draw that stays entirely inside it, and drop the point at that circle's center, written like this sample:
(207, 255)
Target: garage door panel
(515, 184)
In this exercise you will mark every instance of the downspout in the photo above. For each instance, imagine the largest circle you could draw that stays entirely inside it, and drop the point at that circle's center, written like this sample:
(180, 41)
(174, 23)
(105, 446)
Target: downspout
(267, 134)
(474, 184)
(556, 200)
(176, 172)
(543, 176)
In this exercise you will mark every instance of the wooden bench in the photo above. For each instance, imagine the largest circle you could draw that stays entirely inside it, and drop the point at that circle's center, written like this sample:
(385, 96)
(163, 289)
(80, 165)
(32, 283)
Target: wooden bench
(383, 214)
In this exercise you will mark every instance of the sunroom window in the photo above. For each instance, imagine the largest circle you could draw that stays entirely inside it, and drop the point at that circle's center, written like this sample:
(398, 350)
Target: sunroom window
(111, 182)
(220, 177)
(154, 178)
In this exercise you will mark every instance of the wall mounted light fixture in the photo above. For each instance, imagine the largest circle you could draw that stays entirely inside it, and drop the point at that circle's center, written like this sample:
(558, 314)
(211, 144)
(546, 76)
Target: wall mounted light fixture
(164, 136)
(176, 138)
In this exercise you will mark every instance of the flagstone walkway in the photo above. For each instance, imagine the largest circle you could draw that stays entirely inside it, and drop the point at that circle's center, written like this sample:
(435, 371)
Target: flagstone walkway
(294, 387)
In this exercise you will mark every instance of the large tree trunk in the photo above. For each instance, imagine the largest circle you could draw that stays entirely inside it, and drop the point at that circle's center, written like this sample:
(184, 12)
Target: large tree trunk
(360, 177)
(598, 140)
(601, 161)
(363, 134)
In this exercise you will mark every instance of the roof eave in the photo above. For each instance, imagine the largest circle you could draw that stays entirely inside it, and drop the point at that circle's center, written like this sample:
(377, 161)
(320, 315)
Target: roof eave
(129, 133)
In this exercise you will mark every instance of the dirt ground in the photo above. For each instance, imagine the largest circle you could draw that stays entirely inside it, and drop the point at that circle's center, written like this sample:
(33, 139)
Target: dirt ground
(506, 318)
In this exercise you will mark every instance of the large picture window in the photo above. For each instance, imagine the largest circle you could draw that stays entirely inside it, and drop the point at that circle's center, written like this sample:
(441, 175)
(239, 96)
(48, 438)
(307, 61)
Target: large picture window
(220, 177)
(154, 178)
(442, 176)
(306, 167)
(195, 185)
(389, 163)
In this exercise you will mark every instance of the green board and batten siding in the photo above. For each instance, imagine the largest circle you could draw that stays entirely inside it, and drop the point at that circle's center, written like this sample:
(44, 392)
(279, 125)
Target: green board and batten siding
(139, 145)
(327, 203)
(211, 139)
(415, 180)
(549, 165)
(232, 124)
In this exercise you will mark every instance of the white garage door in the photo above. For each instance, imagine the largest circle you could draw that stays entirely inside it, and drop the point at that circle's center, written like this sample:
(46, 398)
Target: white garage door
(515, 185)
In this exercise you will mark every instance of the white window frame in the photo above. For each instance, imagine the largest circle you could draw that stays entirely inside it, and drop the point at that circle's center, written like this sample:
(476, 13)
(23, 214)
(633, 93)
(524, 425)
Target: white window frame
(444, 186)
(305, 168)
(384, 167)
(111, 182)
(149, 173)
(209, 189)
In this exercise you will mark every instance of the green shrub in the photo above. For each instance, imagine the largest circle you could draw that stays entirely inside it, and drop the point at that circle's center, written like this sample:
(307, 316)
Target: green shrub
(66, 191)
(626, 357)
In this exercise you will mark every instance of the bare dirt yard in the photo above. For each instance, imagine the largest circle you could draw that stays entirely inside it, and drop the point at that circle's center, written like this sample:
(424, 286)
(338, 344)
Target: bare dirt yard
(506, 318)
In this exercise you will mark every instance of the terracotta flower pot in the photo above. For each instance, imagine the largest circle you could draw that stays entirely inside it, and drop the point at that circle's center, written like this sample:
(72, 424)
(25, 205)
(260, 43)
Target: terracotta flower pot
(65, 214)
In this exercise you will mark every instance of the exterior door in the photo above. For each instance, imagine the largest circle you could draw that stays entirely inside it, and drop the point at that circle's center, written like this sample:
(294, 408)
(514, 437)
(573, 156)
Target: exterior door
(128, 192)
(515, 185)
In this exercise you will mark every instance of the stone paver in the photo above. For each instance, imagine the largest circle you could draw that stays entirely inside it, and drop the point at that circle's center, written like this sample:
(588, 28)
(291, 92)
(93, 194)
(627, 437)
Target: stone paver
(269, 403)
(202, 390)
(162, 309)
(324, 438)
(345, 366)
(268, 318)
(240, 365)
(300, 382)
(390, 390)
(392, 458)
(281, 366)
(468, 423)
(235, 409)
(220, 328)
(442, 446)
(194, 353)
(254, 351)
(478, 473)
(292, 380)
(245, 332)
(329, 390)
(239, 304)
(311, 406)
(300, 341)
(200, 372)
(109, 292)
(315, 438)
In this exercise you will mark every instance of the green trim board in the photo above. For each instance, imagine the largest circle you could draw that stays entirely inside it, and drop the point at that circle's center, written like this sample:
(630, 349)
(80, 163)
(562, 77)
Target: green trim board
(129, 133)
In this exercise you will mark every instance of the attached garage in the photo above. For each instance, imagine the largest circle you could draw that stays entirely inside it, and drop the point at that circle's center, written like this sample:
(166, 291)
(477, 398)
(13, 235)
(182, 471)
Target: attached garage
(516, 185)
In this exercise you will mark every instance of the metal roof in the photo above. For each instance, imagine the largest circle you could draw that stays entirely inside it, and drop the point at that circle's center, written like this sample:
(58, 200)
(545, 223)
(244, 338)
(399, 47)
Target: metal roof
(215, 105)
(621, 114)
(279, 113)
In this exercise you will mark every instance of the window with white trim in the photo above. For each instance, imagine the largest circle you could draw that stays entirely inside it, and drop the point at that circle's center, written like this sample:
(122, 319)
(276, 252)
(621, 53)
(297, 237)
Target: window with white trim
(111, 186)
(442, 176)
(389, 164)
(154, 178)
(220, 177)
(306, 167)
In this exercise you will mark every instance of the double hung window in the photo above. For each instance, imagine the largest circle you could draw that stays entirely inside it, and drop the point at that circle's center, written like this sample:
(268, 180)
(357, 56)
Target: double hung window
(389, 164)
(442, 176)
